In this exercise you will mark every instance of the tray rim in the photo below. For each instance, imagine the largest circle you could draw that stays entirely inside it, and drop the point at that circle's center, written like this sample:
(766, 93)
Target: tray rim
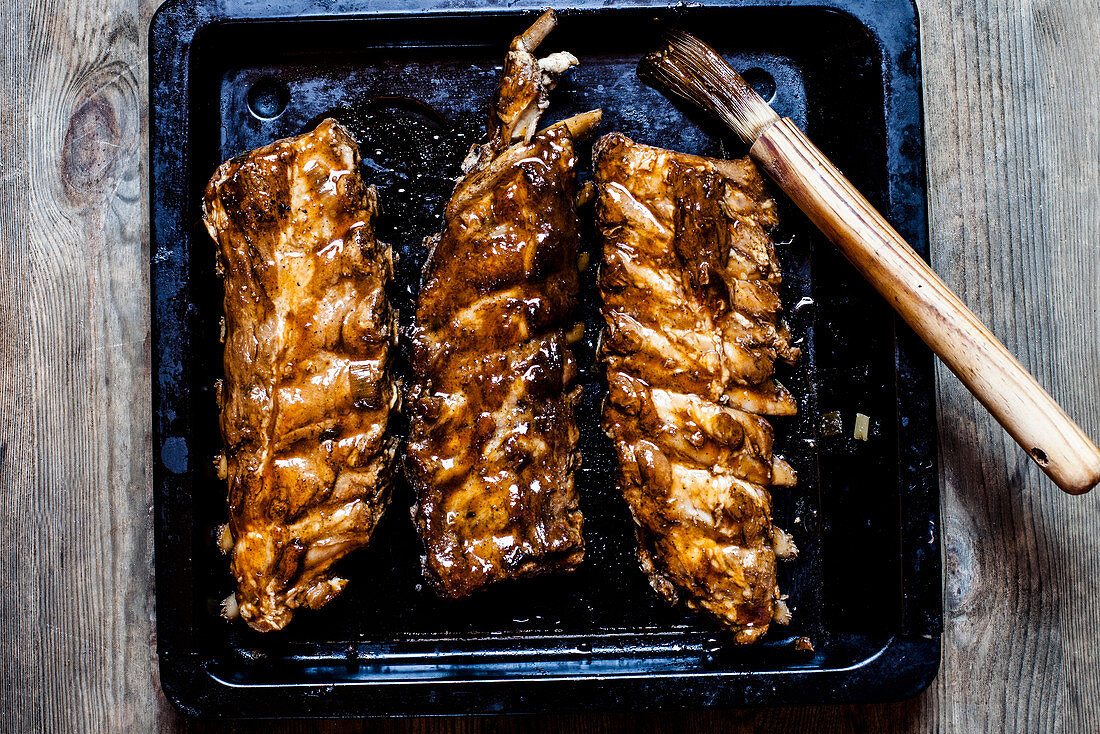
(186, 676)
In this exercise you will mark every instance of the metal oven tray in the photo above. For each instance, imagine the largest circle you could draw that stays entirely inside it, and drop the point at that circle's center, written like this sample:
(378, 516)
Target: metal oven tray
(412, 83)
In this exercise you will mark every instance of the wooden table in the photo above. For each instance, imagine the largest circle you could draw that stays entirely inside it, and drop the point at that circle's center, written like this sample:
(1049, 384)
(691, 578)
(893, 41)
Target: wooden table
(1012, 108)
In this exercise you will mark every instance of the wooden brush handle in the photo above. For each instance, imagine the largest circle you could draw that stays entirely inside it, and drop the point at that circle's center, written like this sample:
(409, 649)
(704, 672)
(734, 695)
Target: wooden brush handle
(1003, 386)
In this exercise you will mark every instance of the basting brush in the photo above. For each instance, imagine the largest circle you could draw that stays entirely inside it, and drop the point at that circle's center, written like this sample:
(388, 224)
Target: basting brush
(691, 69)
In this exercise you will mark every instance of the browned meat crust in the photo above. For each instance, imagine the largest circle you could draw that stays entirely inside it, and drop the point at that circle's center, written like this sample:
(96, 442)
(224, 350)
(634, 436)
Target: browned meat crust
(307, 397)
(688, 283)
(493, 443)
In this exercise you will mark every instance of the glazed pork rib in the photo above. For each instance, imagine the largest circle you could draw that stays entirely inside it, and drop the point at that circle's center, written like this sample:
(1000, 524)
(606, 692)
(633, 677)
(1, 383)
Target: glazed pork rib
(492, 448)
(688, 282)
(307, 396)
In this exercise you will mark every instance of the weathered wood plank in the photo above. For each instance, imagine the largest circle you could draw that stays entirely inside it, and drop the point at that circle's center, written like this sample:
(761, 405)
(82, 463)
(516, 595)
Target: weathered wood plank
(1012, 101)
(75, 490)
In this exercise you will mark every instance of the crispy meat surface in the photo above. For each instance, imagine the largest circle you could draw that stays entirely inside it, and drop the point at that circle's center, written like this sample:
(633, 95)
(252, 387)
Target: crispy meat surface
(307, 395)
(688, 282)
(492, 448)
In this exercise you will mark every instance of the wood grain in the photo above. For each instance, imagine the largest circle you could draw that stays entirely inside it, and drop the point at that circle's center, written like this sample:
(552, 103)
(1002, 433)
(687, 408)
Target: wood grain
(1012, 104)
(75, 493)
(1013, 107)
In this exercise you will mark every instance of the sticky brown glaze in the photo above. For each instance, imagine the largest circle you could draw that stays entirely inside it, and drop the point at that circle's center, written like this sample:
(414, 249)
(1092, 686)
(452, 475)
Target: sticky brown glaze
(307, 396)
(688, 282)
(492, 449)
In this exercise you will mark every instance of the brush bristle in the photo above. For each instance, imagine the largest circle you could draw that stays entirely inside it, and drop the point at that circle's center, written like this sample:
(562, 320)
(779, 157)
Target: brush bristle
(691, 69)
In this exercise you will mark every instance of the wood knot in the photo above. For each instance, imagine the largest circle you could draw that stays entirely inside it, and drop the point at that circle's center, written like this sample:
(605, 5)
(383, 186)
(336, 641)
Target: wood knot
(963, 573)
(92, 146)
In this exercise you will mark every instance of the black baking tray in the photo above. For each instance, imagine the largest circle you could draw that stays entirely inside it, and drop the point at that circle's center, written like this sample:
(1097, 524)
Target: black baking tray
(412, 82)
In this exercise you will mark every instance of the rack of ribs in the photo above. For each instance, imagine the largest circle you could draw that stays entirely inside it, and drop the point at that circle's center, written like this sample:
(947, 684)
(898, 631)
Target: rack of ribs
(307, 396)
(688, 283)
(492, 449)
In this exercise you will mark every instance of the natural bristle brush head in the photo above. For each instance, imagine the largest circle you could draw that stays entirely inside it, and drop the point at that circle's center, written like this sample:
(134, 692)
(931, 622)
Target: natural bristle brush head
(691, 69)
